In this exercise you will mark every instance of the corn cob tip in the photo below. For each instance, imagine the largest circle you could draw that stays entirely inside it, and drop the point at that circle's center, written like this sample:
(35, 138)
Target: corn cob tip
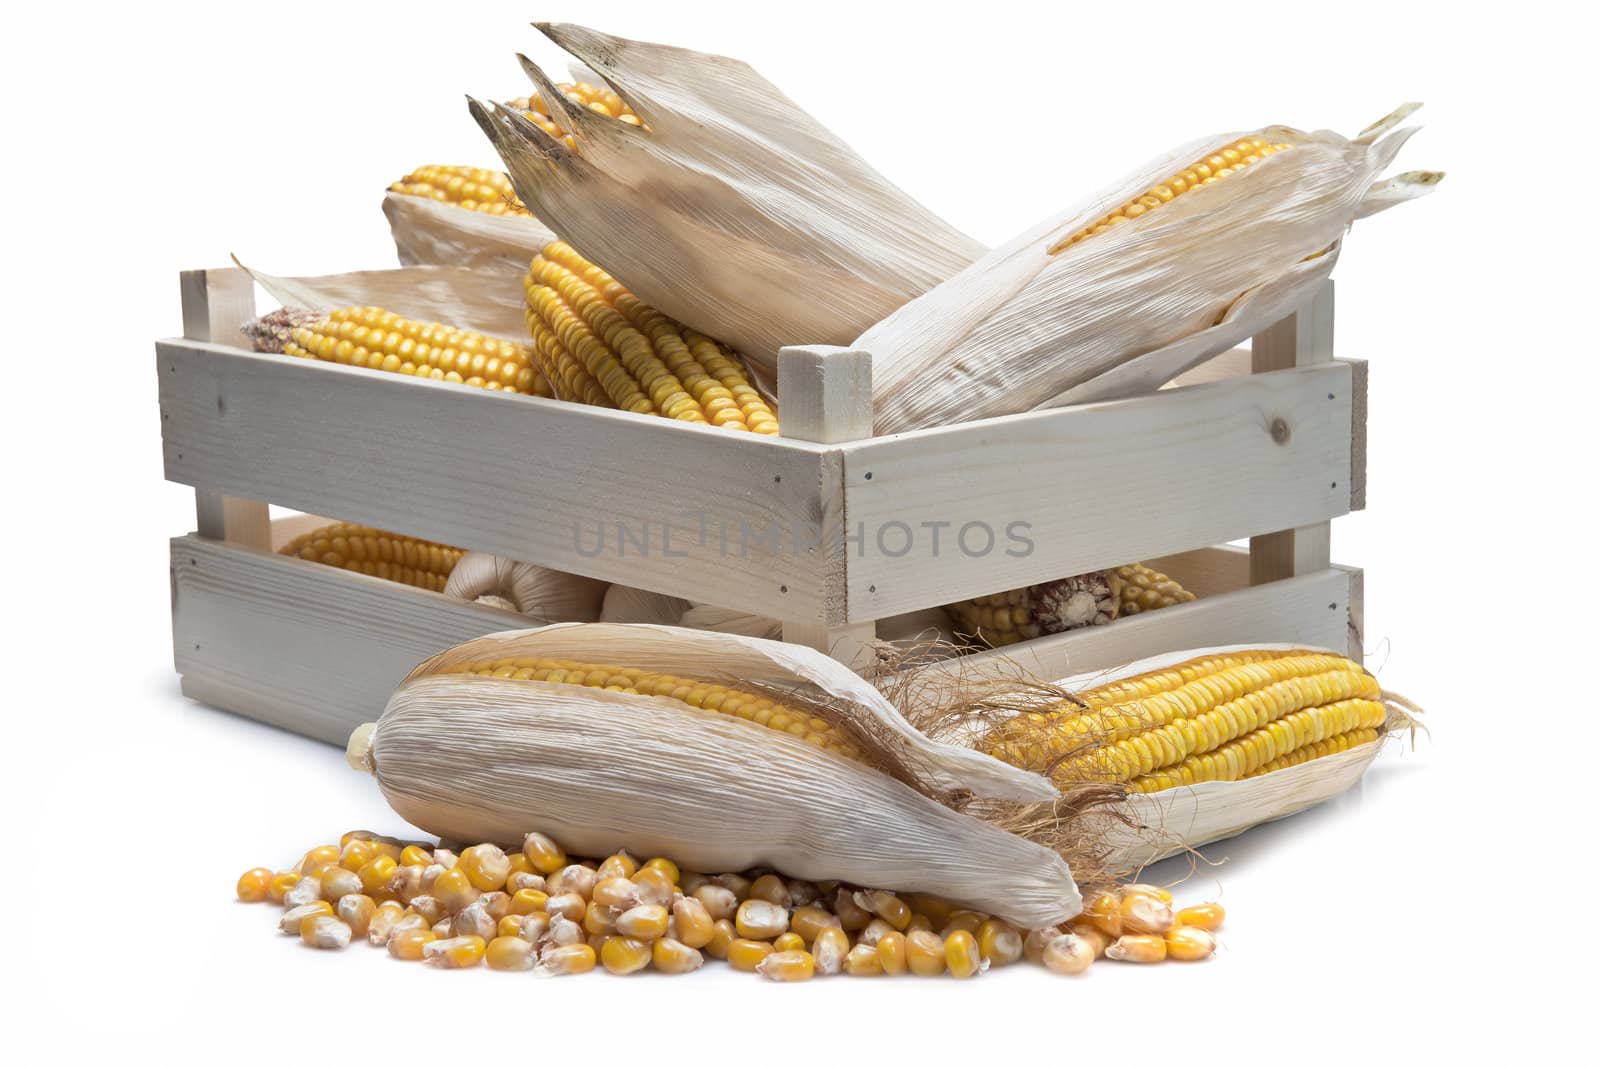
(358, 751)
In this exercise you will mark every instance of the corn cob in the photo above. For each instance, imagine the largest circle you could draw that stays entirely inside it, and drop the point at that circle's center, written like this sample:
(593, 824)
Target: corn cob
(699, 694)
(471, 188)
(1317, 750)
(1144, 589)
(1215, 718)
(537, 909)
(1234, 156)
(423, 564)
(381, 340)
(595, 343)
(1046, 608)
(582, 94)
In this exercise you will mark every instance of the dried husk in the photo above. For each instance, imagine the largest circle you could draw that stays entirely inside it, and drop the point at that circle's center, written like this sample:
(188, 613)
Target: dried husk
(628, 604)
(542, 594)
(734, 211)
(1128, 309)
(486, 759)
(487, 301)
(428, 232)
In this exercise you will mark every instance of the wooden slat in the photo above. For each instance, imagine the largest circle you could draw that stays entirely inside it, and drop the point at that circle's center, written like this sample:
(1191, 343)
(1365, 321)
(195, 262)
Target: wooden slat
(216, 304)
(528, 478)
(1358, 612)
(313, 649)
(1310, 609)
(1096, 485)
(1358, 434)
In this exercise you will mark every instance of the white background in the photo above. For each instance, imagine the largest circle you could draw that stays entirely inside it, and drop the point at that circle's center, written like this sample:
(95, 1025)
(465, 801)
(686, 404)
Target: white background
(1436, 911)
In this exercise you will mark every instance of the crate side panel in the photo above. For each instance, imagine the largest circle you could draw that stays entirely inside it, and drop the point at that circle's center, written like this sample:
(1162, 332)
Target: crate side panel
(1309, 609)
(708, 515)
(313, 649)
(1033, 497)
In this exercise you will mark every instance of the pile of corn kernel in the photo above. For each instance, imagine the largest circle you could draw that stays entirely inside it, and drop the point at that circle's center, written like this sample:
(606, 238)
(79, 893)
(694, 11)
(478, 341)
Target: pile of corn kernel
(540, 911)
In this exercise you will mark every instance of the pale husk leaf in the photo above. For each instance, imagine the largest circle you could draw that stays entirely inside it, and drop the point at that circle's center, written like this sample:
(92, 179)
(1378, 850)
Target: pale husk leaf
(628, 604)
(772, 665)
(429, 232)
(487, 301)
(733, 211)
(1022, 327)
(542, 594)
(483, 759)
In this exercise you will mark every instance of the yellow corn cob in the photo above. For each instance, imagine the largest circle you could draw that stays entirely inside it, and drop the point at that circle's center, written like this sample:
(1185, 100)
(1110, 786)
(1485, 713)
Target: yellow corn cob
(595, 343)
(1317, 750)
(424, 564)
(1217, 717)
(584, 95)
(698, 694)
(472, 188)
(1145, 589)
(1046, 608)
(1234, 156)
(383, 341)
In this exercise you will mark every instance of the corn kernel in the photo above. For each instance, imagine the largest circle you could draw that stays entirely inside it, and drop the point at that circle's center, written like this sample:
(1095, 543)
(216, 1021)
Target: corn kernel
(324, 932)
(497, 903)
(357, 836)
(644, 922)
(665, 867)
(565, 960)
(317, 859)
(474, 921)
(803, 893)
(573, 879)
(961, 954)
(407, 882)
(464, 951)
(759, 920)
(999, 943)
(617, 864)
(925, 953)
(307, 890)
(252, 885)
(454, 890)
(810, 920)
(720, 902)
(531, 927)
(788, 941)
(1104, 910)
(600, 919)
(1207, 917)
(1144, 913)
(280, 884)
(408, 945)
(624, 956)
(1035, 941)
(829, 950)
(885, 906)
(787, 966)
(771, 887)
(1160, 893)
(862, 961)
(919, 922)
(289, 922)
(891, 950)
(936, 909)
(519, 881)
(852, 917)
(355, 855)
(381, 926)
(874, 931)
(415, 854)
(356, 910)
(653, 886)
(337, 882)
(1096, 938)
(746, 954)
(723, 935)
(486, 866)
(673, 957)
(1138, 949)
(376, 874)
(963, 920)
(734, 882)
(1190, 943)
(509, 927)
(520, 865)
(526, 901)
(508, 953)
(564, 932)
(446, 858)
(445, 928)
(429, 908)
(690, 881)
(615, 892)
(693, 922)
(546, 857)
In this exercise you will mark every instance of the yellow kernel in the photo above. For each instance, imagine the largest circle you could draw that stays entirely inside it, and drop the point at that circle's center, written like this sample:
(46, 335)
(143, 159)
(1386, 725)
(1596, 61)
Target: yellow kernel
(863, 960)
(572, 959)
(1138, 949)
(788, 941)
(809, 921)
(925, 952)
(746, 954)
(693, 922)
(289, 922)
(885, 906)
(487, 866)
(961, 955)
(454, 890)
(253, 884)
(1190, 943)
(526, 901)
(758, 919)
(415, 854)
(645, 922)
(376, 874)
(324, 932)
(317, 859)
(999, 943)
(337, 882)
(509, 953)
(545, 856)
(1207, 917)
(787, 966)
(617, 864)
(663, 865)
(673, 957)
(892, 953)
(1144, 913)
(624, 956)
(408, 945)
(771, 888)
(723, 935)
(465, 951)
(652, 886)
(356, 910)
(280, 884)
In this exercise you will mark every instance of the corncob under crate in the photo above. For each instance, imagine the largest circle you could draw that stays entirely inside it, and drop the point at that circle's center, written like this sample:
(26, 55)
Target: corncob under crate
(1266, 443)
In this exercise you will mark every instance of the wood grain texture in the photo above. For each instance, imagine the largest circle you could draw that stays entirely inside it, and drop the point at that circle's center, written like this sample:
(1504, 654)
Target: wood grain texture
(690, 511)
(313, 649)
(1308, 609)
(1094, 485)
(1358, 434)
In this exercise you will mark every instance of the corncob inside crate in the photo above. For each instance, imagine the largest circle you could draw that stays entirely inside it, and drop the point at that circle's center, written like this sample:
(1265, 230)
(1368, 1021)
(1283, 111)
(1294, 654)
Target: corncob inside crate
(1086, 600)
(423, 564)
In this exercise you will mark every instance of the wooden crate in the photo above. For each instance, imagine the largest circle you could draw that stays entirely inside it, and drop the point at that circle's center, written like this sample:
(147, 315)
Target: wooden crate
(826, 528)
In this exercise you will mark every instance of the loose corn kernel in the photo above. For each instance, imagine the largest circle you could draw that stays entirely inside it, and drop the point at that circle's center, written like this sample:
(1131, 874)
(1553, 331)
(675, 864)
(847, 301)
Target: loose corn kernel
(252, 885)
(289, 922)
(508, 953)
(999, 943)
(572, 959)
(617, 864)
(1138, 949)
(408, 945)
(1144, 913)
(487, 866)
(961, 955)
(891, 953)
(324, 932)
(830, 949)
(1033, 945)
(874, 931)
(653, 887)
(1068, 954)
(307, 890)
(723, 935)
(690, 881)
(573, 879)
(415, 854)
(376, 874)
(564, 932)
(808, 921)
(531, 927)
(525, 880)
(381, 926)
(1190, 943)
(936, 909)
(465, 951)
(356, 910)
(1160, 893)
(694, 923)
(520, 865)
(355, 855)
(445, 928)
(802, 893)
(509, 927)
(280, 884)
(644, 922)
(600, 919)
(474, 921)
(497, 903)
(429, 908)
(546, 857)
(408, 882)
(919, 922)
(746, 954)
(615, 892)
(454, 890)
(733, 881)
(862, 961)
(1207, 917)
(720, 902)
(758, 919)
(788, 941)
(317, 859)
(963, 920)
(357, 836)
(673, 957)
(572, 906)
(446, 858)
(337, 882)
(664, 866)
(624, 956)
(925, 953)
(787, 966)
(852, 917)
(1104, 910)
(885, 906)
(1096, 938)
(526, 901)
(771, 887)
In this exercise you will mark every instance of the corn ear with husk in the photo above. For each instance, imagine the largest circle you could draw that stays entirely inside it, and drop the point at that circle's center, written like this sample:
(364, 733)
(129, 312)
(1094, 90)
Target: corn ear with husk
(1210, 244)
(542, 594)
(824, 780)
(729, 209)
